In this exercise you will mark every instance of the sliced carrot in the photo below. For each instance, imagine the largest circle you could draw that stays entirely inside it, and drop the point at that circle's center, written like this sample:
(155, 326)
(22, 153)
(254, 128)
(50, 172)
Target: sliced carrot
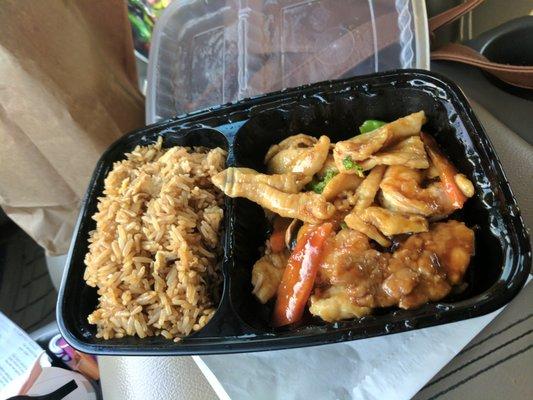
(299, 276)
(277, 239)
(446, 170)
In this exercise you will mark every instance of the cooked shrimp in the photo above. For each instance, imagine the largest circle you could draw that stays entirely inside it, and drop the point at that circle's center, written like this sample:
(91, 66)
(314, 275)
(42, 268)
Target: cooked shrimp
(266, 275)
(394, 223)
(300, 153)
(402, 188)
(308, 206)
(409, 153)
(402, 191)
(457, 192)
(363, 146)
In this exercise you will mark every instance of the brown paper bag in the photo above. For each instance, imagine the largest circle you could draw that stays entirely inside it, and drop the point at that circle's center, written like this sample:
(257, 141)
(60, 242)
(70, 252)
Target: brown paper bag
(68, 89)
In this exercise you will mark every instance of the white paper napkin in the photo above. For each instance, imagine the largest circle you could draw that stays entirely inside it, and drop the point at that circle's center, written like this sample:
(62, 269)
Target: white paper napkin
(387, 367)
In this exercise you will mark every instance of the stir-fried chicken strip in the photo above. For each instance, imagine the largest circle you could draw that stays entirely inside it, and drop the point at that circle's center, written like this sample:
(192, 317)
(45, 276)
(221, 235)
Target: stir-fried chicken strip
(363, 146)
(329, 164)
(354, 221)
(366, 192)
(300, 153)
(422, 269)
(266, 275)
(394, 223)
(409, 153)
(292, 142)
(307, 206)
(290, 182)
(407, 126)
(340, 183)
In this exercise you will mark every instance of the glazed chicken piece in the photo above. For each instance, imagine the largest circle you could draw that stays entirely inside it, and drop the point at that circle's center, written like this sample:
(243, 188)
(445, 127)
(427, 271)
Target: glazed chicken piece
(307, 206)
(337, 255)
(351, 263)
(409, 153)
(363, 146)
(439, 257)
(299, 153)
(452, 242)
(333, 304)
(266, 275)
(423, 269)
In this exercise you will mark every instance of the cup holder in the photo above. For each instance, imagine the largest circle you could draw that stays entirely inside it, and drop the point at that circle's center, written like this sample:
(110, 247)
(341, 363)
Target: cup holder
(509, 43)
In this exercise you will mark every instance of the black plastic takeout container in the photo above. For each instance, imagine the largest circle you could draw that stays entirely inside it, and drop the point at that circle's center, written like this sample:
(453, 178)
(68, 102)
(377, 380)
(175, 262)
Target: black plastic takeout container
(336, 108)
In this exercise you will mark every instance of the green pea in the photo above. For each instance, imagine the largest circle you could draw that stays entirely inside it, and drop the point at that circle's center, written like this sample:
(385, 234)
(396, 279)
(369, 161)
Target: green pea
(371, 124)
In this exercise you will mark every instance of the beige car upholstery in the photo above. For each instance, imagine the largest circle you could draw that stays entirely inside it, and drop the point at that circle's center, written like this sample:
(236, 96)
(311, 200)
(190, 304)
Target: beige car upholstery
(516, 156)
(147, 378)
(129, 378)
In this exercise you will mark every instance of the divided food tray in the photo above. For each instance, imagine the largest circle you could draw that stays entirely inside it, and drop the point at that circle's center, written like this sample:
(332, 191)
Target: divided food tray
(335, 108)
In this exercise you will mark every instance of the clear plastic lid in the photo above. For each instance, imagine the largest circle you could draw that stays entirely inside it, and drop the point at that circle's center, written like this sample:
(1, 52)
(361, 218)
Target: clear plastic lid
(205, 53)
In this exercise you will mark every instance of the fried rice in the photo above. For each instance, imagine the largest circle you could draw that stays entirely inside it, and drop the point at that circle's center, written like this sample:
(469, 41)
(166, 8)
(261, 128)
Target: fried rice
(155, 250)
